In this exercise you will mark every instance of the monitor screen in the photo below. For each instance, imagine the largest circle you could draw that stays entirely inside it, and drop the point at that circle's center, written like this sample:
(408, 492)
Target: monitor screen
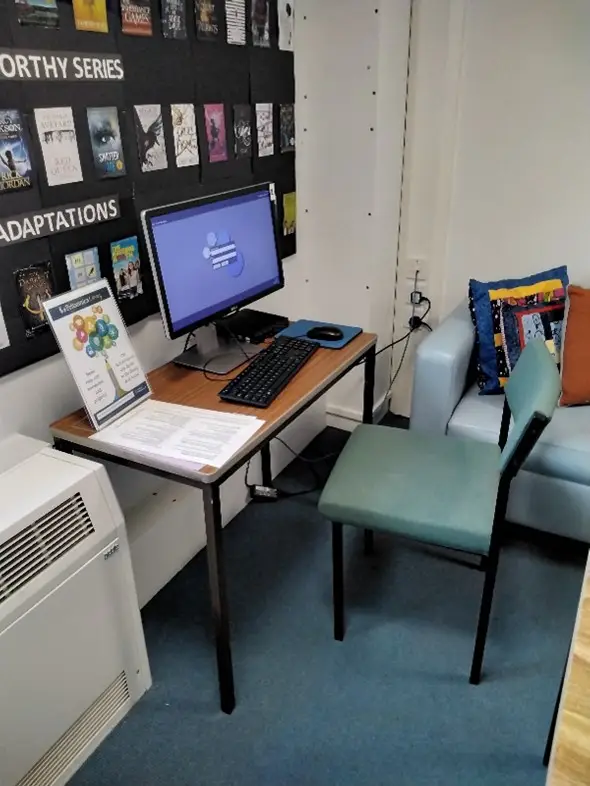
(213, 254)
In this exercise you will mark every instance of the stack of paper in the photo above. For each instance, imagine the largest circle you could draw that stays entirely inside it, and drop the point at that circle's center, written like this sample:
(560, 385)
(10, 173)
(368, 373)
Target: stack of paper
(200, 436)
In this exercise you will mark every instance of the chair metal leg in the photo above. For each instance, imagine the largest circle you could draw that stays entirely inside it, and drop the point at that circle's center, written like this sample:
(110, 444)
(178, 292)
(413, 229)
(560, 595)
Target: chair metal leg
(550, 735)
(368, 542)
(484, 612)
(338, 580)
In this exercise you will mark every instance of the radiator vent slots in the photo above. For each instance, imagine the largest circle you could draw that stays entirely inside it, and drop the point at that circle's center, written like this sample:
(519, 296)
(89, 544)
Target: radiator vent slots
(35, 548)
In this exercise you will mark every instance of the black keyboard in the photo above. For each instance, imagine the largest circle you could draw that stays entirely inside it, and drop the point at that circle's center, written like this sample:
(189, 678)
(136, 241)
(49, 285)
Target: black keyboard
(269, 372)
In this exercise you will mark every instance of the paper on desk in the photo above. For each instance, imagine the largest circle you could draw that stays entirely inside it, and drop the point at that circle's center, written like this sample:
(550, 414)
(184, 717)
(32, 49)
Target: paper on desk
(200, 436)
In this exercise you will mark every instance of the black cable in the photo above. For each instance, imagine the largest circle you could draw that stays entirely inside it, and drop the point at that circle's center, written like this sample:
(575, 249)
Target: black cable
(303, 458)
(399, 367)
(218, 377)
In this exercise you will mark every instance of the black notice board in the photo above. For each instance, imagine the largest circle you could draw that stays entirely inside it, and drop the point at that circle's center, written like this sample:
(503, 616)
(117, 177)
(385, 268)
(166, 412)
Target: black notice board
(157, 71)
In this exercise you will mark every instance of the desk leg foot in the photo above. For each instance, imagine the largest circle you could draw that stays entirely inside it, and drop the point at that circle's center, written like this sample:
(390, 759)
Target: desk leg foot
(219, 605)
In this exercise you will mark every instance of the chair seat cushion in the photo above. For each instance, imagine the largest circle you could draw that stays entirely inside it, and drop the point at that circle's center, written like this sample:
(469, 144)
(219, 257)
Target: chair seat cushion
(563, 450)
(434, 489)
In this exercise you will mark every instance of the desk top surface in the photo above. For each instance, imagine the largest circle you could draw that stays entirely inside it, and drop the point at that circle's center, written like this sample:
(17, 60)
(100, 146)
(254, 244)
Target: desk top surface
(570, 760)
(178, 385)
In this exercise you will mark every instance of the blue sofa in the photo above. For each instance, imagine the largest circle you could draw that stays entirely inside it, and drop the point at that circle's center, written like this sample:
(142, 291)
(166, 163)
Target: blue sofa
(552, 491)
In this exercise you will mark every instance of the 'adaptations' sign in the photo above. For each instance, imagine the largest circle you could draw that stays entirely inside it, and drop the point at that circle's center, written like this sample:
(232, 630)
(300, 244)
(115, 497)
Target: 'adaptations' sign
(27, 65)
(51, 221)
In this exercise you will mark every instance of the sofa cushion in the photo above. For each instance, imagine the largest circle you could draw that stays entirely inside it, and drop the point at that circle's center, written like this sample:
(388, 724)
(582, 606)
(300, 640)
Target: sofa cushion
(563, 450)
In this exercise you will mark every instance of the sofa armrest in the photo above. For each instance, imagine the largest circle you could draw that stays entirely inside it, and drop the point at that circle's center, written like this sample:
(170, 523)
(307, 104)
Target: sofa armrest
(440, 372)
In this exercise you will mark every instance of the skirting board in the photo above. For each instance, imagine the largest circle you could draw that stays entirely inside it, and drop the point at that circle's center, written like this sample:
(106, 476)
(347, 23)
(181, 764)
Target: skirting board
(348, 419)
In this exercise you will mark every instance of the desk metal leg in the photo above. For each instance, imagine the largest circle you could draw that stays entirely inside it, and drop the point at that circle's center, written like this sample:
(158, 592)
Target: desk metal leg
(368, 403)
(266, 465)
(217, 586)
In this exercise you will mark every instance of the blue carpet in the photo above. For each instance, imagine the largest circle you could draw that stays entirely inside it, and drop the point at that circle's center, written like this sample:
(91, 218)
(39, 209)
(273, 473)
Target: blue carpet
(390, 705)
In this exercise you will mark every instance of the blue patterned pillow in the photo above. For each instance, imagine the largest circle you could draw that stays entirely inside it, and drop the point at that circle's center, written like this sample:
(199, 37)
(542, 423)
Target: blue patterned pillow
(485, 303)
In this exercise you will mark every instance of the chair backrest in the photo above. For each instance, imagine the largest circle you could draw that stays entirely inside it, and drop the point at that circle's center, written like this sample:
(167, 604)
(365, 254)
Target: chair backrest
(531, 392)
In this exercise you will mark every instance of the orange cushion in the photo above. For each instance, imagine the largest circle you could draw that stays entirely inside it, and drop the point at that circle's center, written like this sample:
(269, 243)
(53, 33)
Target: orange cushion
(575, 353)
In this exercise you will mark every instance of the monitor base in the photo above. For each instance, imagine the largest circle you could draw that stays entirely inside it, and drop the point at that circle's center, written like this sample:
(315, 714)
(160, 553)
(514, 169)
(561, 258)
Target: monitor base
(226, 357)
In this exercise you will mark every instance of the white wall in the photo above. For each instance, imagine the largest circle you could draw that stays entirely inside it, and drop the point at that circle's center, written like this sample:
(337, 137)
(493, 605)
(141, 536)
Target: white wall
(351, 67)
(497, 181)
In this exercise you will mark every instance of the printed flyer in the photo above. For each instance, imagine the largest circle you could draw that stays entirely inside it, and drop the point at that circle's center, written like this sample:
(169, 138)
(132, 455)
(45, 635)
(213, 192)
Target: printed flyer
(90, 332)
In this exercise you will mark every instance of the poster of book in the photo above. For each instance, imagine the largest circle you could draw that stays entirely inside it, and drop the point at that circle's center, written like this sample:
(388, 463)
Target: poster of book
(150, 137)
(215, 127)
(34, 285)
(41, 13)
(91, 16)
(260, 23)
(207, 20)
(136, 17)
(243, 130)
(83, 267)
(286, 24)
(126, 268)
(57, 134)
(184, 129)
(287, 115)
(174, 18)
(235, 17)
(15, 162)
(264, 131)
(105, 136)
(4, 339)
(90, 332)
(289, 213)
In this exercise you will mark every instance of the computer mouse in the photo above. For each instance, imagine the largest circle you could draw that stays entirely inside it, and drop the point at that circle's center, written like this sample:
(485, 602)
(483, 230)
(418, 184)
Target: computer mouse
(325, 333)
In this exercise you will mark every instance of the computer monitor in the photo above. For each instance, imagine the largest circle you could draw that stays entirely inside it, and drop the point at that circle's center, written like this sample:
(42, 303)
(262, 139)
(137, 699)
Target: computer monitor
(212, 255)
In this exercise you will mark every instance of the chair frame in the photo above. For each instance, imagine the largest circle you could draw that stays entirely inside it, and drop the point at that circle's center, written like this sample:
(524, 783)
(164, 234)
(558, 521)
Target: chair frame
(488, 562)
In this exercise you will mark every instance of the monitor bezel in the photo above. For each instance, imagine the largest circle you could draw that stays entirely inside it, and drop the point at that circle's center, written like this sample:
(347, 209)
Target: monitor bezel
(153, 212)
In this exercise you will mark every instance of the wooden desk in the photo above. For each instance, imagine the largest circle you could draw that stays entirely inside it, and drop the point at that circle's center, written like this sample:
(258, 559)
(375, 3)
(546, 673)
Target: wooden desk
(570, 757)
(178, 385)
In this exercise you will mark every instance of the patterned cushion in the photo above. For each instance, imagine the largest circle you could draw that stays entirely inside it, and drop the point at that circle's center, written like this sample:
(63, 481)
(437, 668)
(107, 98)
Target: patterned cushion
(485, 303)
(520, 324)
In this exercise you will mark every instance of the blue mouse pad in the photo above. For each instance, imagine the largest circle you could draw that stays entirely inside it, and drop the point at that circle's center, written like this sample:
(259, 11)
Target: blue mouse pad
(299, 330)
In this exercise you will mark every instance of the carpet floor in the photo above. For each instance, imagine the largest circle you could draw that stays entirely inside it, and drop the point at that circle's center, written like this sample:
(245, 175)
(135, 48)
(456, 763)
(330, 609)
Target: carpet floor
(391, 705)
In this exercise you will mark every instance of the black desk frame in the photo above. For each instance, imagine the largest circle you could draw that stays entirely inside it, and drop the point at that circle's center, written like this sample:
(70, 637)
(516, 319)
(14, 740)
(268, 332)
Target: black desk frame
(212, 511)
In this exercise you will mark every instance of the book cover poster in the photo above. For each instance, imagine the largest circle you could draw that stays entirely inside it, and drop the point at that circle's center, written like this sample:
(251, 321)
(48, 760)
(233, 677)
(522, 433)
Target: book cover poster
(34, 285)
(289, 213)
(91, 16)
(184, 128)
(4, 339)
(105, 136)
(216, 138)
(174, 18)
(287, 128)
(15, 162)
(150, 137)
(136, 17)
(41, 13)
(235, 17)
(207, 20)
(57, 134)
(91, 334)
(126, 268)
(260, 23)
(243, 130)
(264, 132)
(286, 24)
(83, 267)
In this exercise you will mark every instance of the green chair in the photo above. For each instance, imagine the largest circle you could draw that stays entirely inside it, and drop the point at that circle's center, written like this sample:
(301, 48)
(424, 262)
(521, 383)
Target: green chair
(441, 490)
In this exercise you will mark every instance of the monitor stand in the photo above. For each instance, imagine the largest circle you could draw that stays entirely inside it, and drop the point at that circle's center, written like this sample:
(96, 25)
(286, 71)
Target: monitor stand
(226, 356)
